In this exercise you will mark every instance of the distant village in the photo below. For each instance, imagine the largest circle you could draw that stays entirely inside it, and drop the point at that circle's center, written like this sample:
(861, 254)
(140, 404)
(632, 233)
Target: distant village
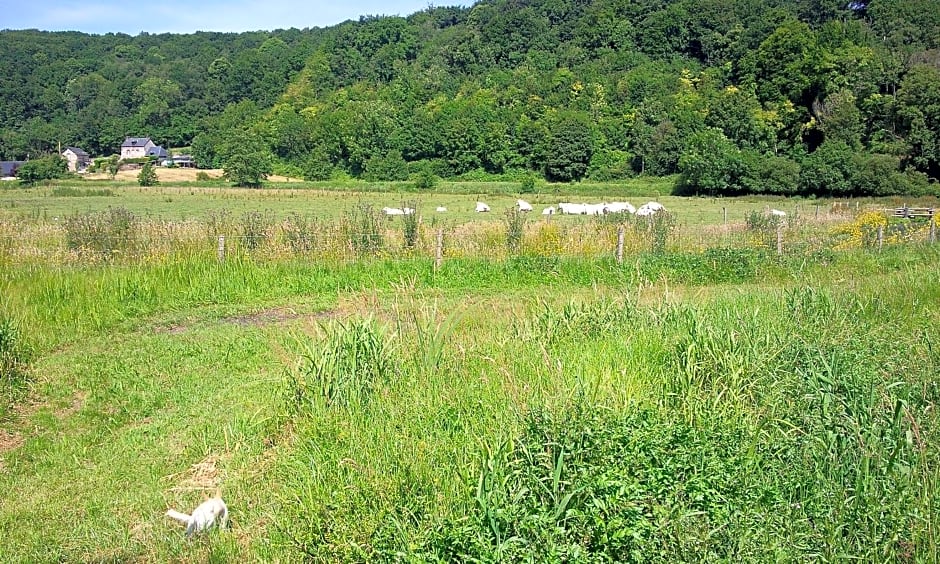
(134, 151)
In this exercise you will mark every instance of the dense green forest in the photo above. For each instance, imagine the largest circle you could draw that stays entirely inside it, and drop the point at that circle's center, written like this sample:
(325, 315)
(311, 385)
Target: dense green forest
(782, 96)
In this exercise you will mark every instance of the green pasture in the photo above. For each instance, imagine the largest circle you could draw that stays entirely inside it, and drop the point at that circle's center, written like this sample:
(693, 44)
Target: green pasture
(330, 201)
(727, 404)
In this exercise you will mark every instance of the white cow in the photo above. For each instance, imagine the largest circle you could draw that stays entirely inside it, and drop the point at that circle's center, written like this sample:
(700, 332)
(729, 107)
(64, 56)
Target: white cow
(481, 207)
(441, 209)
(573, 209)
(550, 210)
(524, 206)
(393, 211)
(778, 213)
(408, 211)
(619, 207)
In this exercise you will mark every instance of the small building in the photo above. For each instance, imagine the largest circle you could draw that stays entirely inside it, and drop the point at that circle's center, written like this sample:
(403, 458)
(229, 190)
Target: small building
(78, 159)
(8, 169)
(182, 161)
(158, 153)
(136, 147)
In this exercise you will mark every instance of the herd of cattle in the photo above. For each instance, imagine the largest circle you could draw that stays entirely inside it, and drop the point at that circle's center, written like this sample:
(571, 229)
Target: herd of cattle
(567, 208)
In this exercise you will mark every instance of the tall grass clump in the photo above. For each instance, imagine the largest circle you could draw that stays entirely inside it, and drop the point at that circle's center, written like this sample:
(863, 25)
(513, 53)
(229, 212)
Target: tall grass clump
(363, 227)
(514, 221)
(762, 227)
(14, 359)
(256, 228)
(106, 233)
(410, 223)
(300, 233)
(655, 230)
(345, 368)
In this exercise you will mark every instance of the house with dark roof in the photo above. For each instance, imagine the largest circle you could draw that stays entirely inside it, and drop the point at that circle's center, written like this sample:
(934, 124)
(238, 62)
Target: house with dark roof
(157, 152)
(77, 158)
(8, 169)
(136, 147)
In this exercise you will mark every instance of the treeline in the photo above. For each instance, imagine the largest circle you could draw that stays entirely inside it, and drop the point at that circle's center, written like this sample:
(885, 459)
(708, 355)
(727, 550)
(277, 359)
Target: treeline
(737, 96)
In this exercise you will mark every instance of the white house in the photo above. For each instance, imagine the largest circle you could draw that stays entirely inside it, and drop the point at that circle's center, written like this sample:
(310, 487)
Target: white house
(77, 158)
(136, 147)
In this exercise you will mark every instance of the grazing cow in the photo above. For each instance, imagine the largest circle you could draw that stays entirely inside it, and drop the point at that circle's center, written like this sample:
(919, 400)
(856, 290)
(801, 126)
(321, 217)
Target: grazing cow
(393, 211)
(619, 207)
(550, 210)
(524, 206)
(571, 209)
(441, 209)
(778, 213)
(481, 207)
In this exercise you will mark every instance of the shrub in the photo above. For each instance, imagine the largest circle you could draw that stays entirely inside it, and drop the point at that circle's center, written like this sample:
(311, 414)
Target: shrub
(42, 169)
(147, 175)
(203, 176)
(425, 179)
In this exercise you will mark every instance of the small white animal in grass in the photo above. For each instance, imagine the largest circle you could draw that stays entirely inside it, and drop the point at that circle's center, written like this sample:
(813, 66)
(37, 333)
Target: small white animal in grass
(208, 513)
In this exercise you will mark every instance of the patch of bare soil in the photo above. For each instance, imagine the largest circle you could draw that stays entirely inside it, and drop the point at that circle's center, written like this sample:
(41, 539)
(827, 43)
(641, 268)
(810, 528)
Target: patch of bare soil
(202, 476)
(77, 402)
(276, 316)
(8, 441)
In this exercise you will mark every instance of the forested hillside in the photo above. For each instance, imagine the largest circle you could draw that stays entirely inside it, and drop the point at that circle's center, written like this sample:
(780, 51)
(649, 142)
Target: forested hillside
(786, 96)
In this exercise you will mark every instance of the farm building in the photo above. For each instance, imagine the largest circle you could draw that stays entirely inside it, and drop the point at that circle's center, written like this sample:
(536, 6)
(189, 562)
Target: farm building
(77, 158)
(8, 169)
(136, 147)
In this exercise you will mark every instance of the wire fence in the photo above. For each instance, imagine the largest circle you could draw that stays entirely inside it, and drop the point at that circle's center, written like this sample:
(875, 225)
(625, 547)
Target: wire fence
(118, 237)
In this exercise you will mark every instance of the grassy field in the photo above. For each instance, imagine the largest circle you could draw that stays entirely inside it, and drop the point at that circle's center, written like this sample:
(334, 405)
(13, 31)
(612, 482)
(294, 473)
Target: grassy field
(686, 405)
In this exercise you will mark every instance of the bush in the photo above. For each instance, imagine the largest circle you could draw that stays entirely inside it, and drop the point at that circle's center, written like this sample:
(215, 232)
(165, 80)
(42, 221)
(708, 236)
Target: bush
(147, 175)
(425, 179)
(42, 169)
(203, 176)
(390, 166)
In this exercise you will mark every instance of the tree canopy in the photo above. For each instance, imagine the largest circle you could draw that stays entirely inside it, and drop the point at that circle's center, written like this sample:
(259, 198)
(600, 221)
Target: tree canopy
(736, 96)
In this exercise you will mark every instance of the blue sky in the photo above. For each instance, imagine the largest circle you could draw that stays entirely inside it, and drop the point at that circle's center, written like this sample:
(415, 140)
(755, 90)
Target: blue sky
(176, 16)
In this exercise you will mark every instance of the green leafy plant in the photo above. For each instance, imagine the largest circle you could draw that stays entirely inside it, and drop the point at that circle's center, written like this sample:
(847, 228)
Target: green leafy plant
(346, 367)
(147, 175)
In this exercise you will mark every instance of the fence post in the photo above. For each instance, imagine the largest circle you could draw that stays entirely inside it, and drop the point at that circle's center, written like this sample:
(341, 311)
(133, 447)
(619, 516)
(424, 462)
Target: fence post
(221, 248)
(439, 254)
(817, 211)
(724, 213)
(780, 239)
(620, 231)
(881, 237)
(933, 228)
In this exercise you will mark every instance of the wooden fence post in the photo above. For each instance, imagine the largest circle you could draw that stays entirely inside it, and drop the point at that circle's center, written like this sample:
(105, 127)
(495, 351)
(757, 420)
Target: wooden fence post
(439, 254)
(881, 237)
(817, 211)
(780, 239)
(620, 232)
(221, 248)
(933, 228)
(724, 212)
